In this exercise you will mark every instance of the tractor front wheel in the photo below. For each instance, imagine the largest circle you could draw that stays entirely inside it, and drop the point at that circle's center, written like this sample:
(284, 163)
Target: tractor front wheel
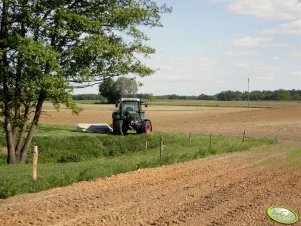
(117, 127)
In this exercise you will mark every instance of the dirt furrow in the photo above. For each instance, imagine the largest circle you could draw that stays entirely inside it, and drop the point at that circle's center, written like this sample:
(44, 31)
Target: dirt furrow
(219, 190)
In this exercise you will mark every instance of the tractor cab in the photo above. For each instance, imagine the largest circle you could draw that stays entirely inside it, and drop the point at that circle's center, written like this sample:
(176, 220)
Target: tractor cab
(129, 104)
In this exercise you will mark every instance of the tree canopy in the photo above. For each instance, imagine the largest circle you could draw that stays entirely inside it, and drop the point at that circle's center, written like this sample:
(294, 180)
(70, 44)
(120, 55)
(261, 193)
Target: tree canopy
(49, 46)
(123, 87)
(126, 87)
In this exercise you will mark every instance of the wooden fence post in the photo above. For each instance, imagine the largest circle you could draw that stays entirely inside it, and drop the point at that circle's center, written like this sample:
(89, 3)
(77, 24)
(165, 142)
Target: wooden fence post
(243, 137)
(146, 145)
(210, 140)
(35, 163)
(189, 137)
(161, 147)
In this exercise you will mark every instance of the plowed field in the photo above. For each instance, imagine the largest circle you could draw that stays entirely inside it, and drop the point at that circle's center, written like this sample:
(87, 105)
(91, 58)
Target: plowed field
(230, 189)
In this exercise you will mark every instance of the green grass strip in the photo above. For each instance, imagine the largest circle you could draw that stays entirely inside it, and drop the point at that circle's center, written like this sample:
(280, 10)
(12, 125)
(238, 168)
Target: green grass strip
(66, 156)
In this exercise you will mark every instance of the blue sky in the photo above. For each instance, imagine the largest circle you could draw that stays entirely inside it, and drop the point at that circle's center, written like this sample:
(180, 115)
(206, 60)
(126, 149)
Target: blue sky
(207, 46)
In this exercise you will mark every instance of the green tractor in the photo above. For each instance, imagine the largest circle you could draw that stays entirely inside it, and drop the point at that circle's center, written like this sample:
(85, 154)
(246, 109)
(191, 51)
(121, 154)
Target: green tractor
(130, 116)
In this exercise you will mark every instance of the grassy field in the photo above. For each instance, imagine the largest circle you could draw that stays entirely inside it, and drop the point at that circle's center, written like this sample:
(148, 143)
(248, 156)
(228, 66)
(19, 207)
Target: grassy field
(67, 156)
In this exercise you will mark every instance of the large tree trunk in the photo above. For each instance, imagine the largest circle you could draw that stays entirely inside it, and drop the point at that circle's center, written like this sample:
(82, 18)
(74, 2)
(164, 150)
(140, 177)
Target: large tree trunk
(22, 134)
(11, 158)
(20, 142)
(34, 125)
(4, 64)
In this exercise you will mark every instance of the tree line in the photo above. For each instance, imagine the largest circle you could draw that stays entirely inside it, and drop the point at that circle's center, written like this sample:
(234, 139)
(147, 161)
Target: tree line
(229, 95)
(280, 94)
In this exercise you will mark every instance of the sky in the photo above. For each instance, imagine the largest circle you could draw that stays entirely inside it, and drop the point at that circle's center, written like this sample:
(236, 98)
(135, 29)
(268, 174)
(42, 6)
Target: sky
(209, 46)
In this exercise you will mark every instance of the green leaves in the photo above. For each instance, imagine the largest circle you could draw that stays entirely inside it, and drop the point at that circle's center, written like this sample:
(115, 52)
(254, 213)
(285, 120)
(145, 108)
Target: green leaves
(37, 57)
(123, 87)
(126, 87)
(41, 71)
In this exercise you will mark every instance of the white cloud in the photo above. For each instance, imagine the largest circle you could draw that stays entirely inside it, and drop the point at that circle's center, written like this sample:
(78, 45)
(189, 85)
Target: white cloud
(290, 28)
(257, 42)
(244, 53)
(250, 41)
(265, 9)
(277, 58)
(296, 73)
(220, 1)
(175, 66)
(294, 54)
(193, 62)
(259, 68)
(265, 78)
(173, 69)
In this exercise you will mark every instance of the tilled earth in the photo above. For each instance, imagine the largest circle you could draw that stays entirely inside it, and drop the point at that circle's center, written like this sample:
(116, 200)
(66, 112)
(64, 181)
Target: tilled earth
(231, 189)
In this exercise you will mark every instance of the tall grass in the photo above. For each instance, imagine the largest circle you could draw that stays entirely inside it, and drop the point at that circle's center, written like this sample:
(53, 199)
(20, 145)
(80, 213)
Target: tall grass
(66, 156)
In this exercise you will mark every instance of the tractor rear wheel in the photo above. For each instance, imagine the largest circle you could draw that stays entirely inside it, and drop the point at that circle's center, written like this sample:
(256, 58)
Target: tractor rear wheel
(115, 131)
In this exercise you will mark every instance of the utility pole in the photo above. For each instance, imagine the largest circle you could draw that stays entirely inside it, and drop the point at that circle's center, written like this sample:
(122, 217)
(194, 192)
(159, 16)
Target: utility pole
(248, 93)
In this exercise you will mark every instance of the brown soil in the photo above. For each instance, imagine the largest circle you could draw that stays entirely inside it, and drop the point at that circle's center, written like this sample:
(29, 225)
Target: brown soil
(282, 120)
(231, 189)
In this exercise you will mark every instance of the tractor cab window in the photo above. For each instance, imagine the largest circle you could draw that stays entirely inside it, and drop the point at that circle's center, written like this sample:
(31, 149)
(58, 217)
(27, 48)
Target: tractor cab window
(130, 106)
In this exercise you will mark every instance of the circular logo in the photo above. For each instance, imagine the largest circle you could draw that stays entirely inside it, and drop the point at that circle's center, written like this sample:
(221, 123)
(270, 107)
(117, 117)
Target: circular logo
(282, 215)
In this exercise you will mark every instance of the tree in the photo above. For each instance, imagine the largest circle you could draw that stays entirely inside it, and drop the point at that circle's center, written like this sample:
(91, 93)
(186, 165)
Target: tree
(113, 91)
(295, 94)
(126, 87)
(282, 94)
(46, 47)
(229, 95)
(107, 90)
(256, 95)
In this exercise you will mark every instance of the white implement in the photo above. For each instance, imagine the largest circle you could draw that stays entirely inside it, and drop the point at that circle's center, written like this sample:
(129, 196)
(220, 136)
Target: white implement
(94, 128)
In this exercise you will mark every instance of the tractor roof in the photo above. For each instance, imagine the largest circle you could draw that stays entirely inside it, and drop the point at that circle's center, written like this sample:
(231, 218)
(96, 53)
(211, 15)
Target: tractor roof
(130, 99)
